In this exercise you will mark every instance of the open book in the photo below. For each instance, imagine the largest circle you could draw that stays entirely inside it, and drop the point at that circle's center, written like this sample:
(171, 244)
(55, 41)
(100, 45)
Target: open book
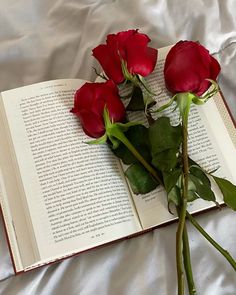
(60, 196)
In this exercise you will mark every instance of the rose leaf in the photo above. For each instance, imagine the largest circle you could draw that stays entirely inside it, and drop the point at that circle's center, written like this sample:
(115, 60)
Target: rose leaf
(138, 136)
(202, 190)
(174, 196)
(197, 171)
(136, 102)
(166, 160)
(171, 179)
(228, 190)
(164, 136)
(140, 180)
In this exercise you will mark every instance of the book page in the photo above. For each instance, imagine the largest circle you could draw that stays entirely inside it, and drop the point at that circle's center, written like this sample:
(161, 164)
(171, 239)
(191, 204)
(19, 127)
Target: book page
(210, 145)
(76, 193)
(13, 210)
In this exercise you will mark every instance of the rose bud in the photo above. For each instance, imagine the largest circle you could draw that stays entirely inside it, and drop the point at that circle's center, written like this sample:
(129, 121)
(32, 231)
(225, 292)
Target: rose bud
(187, 66)
(89, 103)
(129, 46)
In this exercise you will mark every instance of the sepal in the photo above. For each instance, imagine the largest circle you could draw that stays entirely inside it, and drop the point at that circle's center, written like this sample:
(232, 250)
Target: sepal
(145, 85)
(184, 101)
(213, 89)
(100, 140)
(165, 106)
(125, 71)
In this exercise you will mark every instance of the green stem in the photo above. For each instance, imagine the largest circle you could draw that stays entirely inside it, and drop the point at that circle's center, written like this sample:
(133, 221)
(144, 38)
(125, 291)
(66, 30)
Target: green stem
(210, 240)
(187, 263)
(179, 238)
(120, 136)
(182, 216)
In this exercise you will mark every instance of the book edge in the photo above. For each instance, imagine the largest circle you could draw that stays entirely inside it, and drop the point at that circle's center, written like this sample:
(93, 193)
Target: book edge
(134, 235)
(8, 242)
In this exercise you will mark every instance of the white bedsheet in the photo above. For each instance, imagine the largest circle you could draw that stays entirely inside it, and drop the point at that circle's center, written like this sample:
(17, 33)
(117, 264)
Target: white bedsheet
(42, 40)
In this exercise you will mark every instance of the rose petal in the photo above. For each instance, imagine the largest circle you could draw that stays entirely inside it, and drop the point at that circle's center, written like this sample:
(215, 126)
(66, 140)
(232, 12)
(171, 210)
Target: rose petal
(121, 37)
(83, 97)
(109, 55)
(172, 53)
(110, 61)
(187, 81)
(187, 67)
(116, 111)
(203, 86)
(215, 68)
(92, 124)
(91, 115)
(108, 95)
(104, 91)
(117, 42)
(129, 46)
(140, 58)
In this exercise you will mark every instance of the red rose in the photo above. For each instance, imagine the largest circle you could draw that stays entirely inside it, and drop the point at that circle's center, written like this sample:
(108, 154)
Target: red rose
(129, 46)
(89, 103)
(187, 66)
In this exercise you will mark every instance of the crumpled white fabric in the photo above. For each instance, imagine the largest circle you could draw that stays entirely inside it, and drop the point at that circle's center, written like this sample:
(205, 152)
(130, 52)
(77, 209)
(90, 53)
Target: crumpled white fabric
(43, 40)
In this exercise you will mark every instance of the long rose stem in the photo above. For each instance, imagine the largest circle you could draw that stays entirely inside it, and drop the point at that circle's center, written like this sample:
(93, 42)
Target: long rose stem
(183, 208)
(187, 263)
(179, 236)
(224, 252)
(120, 135)
(182, 232)
(115, 131)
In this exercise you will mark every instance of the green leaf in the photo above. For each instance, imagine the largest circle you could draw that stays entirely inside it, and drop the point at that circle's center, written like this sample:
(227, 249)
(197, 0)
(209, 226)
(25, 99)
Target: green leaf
(174, 196)
(228, 190)
(172, 182)
(166, 160)
(171, 179)
(203, 191)
(192, 191)
(192, 163)
(196, 191)
(140, 180)
(136, 102)
(197, 171)
(163, 136)
(192, 196)
(165, 141)
(138, 136)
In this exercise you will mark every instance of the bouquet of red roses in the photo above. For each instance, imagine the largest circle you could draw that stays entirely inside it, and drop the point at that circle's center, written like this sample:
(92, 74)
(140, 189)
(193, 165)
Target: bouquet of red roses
(156, 154)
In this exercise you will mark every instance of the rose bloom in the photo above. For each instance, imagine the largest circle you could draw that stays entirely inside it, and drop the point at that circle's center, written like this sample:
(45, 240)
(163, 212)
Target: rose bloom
(187, 66)
(130, 46)
(89, 103)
